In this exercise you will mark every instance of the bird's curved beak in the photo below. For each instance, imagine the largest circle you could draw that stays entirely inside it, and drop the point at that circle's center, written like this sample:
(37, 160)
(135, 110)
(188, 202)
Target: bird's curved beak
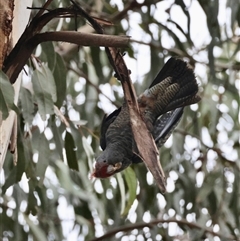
(104, 170)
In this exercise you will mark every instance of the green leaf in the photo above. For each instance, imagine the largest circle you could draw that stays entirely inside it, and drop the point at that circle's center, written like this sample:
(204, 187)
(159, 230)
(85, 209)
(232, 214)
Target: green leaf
(60, 77)
(43, 156)
(67, 183)
(3, 107)
(6, 96)
(204, 192)
(70, 152)
(234, 201)
(122, 191)
(32, 200)
(57, 135)
(48, 54)
(11, 179)
(81, 220)
(51, 85)
(15, 174)
(95, 52)
(45, 90)
(27, 105)
(89, 152)
(36, 230)
(131, 181)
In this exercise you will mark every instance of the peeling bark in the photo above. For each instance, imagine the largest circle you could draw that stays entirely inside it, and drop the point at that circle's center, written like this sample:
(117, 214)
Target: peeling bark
(6, 18)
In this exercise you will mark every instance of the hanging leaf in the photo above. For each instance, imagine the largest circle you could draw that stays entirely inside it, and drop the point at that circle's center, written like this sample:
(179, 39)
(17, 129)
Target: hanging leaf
(27, 105)
(60, 77)
(66, 182)
(89, 152)
(38, 233)
(122, 192)
(3, 106)
(96, 54)
(6, 96)
(131, 181)
(44, 154)
(70, 148)
(57, 135)
(48, 54)
(51, 85)
(45, 90)
(200, 161)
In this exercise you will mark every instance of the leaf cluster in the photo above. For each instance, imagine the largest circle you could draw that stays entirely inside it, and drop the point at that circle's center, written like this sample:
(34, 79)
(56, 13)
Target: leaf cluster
(66, 89)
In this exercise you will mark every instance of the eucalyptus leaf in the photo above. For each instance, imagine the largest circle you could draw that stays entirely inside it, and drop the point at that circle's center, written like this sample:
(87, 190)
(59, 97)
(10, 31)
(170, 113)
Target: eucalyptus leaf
(57, 135)
(89, 152)
(4, 109)
(44, 155)
(51, 85)
(200, 160)
(122, 192)
(71, 152)
(38, 233)
(67, 183)
(48, 54)
(27, 105)
(6, 96)
(131, 181)
(45, 91)
(60, 78)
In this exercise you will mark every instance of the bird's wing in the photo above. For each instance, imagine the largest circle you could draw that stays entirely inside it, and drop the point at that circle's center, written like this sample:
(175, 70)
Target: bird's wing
(107, 120)
(163, 128)
(165, 125)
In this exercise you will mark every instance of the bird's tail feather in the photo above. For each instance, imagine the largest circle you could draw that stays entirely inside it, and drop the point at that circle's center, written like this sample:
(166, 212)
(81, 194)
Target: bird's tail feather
(175, 86)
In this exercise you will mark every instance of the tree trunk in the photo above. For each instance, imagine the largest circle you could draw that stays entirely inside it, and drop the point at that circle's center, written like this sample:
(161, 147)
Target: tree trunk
(14, 17)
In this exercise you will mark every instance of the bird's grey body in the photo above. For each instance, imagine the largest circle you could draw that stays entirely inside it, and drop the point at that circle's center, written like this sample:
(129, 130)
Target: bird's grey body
(175, 86)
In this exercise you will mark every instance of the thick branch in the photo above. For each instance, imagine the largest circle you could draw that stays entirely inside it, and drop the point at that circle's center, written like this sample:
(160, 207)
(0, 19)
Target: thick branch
(82, 39)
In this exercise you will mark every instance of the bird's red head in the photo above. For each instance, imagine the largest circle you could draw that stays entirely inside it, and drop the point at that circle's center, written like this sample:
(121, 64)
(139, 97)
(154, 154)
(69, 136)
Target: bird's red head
(105, 170)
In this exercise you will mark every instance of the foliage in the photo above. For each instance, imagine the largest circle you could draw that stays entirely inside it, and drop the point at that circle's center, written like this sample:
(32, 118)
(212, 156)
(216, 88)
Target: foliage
(48, 195)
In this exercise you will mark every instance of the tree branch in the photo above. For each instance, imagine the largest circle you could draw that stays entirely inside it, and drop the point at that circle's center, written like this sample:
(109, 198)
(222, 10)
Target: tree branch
(96, 87)
(82, 39)
(31, 38)
(146, 146)
(216, 149)
(154, 222)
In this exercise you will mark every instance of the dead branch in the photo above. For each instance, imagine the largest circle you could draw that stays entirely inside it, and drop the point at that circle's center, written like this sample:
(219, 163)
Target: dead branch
(146, 145)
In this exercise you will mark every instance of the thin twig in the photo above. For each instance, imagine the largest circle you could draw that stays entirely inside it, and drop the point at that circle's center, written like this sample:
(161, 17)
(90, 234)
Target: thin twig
(216, 149)
(41, 11)
(178, 52)
(92, 84)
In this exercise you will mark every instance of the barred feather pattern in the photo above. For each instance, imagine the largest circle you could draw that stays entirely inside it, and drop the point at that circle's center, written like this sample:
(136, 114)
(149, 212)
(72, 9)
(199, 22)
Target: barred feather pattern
(173, 88)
